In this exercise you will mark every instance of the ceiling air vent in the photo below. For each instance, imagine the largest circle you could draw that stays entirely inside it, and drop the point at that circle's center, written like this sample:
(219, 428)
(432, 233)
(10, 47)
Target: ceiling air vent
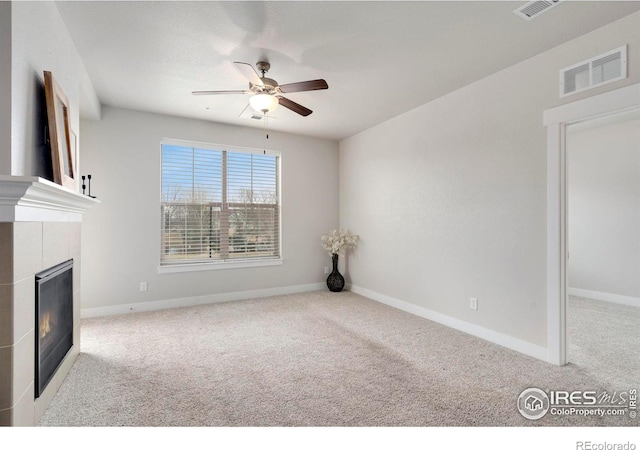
(249, 113)
(603, 69)
(532, 9)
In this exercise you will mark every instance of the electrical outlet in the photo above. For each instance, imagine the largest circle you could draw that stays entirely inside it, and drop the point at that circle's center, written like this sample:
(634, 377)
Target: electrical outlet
(473, 303)
(143, 286)
(326, 270)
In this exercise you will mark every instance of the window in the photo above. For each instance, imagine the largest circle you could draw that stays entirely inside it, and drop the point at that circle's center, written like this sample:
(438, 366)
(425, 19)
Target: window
(218, 205)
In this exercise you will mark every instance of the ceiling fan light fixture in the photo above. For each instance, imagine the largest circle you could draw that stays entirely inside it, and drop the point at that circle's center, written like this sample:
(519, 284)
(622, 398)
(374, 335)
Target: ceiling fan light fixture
(263, 103)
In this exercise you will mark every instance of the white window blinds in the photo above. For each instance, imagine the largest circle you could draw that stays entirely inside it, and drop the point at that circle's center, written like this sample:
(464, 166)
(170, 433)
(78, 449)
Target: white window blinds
(218, 205)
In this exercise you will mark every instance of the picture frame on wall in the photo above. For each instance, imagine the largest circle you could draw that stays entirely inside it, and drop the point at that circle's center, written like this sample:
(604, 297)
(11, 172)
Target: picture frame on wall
(75, 154)
(62, 149)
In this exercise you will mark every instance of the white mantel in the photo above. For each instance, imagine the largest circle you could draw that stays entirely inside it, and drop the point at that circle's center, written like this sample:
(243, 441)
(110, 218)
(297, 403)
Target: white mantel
(34, 199)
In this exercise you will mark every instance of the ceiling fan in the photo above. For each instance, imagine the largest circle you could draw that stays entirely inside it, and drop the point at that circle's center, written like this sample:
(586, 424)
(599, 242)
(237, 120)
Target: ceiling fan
(266, 93)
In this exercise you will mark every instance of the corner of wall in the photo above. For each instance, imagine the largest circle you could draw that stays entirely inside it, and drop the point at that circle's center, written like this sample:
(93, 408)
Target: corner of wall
(39, 41)
(5, 88)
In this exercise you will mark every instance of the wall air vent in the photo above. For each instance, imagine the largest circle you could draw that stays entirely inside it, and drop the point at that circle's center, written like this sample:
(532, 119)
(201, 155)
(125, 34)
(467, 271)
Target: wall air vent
(602, 69)
(533, 9)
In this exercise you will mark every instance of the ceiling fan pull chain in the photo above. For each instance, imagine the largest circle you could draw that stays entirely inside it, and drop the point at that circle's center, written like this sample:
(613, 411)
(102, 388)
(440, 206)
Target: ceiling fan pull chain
(266, 130)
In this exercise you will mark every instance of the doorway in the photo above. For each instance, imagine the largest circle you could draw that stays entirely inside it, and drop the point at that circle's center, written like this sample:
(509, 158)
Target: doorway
(603, 254)
(556, 121)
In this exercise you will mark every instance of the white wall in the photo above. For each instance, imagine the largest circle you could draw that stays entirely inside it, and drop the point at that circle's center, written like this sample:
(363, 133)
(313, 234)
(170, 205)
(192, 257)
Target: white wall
(40, 41)
(5, 88)
(449, 199)
(604, 209)
(121, 236)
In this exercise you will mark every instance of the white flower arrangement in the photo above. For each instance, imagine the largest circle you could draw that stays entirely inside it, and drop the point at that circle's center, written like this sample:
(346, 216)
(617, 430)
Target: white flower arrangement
(339, 241)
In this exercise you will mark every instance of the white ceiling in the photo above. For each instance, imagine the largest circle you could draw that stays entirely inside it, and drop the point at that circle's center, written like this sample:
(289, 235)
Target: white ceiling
(379, 58)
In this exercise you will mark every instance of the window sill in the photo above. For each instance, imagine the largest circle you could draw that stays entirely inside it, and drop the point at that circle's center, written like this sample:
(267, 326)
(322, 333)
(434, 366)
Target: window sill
(197, 267)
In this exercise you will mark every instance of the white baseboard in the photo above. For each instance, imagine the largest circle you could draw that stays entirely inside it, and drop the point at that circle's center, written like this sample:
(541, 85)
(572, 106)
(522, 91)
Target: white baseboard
(199, 300)
(504, 340)
(605, 296)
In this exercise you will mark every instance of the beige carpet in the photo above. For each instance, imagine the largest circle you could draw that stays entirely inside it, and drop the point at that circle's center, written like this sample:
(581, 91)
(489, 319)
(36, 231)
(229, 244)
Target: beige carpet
(603, 339)
(316, 359)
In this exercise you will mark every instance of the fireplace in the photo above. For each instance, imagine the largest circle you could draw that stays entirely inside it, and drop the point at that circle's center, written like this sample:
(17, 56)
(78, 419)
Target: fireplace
(54, 321)
(40, 227)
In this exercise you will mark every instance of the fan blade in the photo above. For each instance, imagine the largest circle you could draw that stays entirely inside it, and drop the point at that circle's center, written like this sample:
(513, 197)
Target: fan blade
(293, 106)
(220, 92)
(249, 72)
(242, 114)
(313, 85)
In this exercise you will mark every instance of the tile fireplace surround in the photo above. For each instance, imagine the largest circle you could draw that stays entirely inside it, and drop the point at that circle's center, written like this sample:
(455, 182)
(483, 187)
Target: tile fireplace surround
(39, 227)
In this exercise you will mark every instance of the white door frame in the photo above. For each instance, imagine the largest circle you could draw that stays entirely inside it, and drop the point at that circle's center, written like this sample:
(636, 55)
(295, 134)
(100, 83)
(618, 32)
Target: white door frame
(556, 121)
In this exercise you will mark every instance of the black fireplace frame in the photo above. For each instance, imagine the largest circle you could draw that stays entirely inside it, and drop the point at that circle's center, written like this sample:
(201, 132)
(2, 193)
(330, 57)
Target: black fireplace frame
(41, 381)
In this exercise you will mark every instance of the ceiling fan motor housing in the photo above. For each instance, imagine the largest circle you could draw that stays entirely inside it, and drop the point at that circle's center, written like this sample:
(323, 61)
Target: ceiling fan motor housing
(269, 86)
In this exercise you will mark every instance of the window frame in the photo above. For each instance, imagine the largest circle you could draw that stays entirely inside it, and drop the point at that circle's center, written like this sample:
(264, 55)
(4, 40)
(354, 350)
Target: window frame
(217, 264)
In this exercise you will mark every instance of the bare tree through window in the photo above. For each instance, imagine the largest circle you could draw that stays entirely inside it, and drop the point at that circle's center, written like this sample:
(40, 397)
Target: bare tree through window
(218, 205)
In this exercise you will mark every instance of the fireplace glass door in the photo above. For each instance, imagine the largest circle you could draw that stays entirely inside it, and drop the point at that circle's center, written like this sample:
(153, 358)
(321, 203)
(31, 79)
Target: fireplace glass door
(54, 321)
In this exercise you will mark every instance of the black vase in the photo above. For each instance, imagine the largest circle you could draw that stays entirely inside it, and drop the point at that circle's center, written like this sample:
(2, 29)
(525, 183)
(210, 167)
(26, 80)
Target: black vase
(335, 281)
